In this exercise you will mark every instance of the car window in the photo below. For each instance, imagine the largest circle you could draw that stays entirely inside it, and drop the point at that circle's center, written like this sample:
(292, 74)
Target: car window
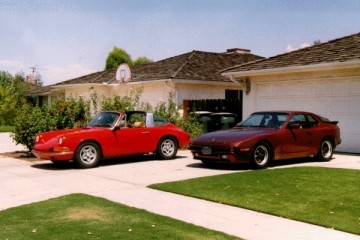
(272, 120)
(158, 121)
(253, 121)
(299, 118)
(104, 119)
(312, 121)
(136, 120)
(305, 121)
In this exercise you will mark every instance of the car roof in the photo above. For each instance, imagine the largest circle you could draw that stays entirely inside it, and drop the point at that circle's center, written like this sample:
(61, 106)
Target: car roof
(285, 112)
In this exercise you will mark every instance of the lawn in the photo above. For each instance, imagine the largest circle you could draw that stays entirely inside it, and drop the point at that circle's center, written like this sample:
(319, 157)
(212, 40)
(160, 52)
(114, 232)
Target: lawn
(6, 129)
(322, 196)
(79, 216)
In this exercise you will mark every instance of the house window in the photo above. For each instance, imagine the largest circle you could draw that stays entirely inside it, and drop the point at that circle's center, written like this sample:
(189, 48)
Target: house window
(233, 94)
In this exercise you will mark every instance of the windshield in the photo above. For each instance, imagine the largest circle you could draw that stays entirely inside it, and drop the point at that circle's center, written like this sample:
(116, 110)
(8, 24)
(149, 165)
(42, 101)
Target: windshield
(105, 119)
(271, 120)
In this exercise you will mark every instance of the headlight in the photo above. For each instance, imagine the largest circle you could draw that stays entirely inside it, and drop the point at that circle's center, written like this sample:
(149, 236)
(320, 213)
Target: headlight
(37, 138)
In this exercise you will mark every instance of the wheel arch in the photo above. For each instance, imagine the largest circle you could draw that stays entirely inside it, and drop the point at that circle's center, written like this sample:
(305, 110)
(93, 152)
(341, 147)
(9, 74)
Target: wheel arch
(90, 141)
(272, 151)
(169, 136)
(331, 138)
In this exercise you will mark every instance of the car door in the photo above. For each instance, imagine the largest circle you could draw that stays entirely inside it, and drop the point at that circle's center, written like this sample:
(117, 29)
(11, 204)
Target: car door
(132, 140)
(298, 136)
(133, 137)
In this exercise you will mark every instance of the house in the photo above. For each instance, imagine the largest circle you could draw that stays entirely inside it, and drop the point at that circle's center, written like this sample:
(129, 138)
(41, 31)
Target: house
(323, 78)
(193, 75)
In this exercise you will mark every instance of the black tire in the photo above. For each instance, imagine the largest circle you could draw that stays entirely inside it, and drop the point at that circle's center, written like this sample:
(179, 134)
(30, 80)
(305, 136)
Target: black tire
(326, 150)
(167, 148)
(261, 155)
(87, 155)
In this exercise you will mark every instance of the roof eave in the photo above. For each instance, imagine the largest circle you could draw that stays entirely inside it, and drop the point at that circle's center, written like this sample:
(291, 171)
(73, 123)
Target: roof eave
(295, 69)
(217, 83)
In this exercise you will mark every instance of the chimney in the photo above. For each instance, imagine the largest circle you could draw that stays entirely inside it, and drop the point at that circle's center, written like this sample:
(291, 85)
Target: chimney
(31, 79)
(238, 51)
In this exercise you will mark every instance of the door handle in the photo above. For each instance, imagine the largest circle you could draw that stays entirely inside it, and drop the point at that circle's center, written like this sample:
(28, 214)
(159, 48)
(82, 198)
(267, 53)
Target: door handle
(145, 132)
(309, 133)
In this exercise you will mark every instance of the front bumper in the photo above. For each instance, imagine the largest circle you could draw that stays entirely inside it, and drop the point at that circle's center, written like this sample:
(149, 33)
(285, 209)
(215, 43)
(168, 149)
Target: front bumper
(58, 156)
(220, 154)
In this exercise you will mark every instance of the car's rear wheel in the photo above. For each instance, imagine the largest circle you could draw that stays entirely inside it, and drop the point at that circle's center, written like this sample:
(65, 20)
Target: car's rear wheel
(326, 150)
(261, 155)
(167, 148)
(87, 155)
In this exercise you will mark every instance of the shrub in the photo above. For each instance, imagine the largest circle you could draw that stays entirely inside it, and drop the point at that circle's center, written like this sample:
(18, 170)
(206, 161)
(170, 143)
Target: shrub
(60, 114)
(127, 103)
(29, 122)
(191, 125)
(169, 111)
(69, 113)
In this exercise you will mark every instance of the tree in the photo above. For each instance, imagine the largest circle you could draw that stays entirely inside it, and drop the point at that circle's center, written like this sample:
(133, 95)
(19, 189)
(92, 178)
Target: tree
(317, 42)
(116, 57)
(142, 60)
(12, 95)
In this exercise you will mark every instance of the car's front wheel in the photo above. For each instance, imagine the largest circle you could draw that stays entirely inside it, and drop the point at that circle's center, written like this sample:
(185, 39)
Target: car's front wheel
(87, 155)
(167, 148)
(326, 150)
(261, 155)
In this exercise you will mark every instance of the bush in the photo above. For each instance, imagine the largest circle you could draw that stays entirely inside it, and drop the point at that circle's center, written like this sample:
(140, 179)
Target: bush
(61, 114)
(191, 125)
(169, 111)
(29, 122)
(127, 103)
(68, 113)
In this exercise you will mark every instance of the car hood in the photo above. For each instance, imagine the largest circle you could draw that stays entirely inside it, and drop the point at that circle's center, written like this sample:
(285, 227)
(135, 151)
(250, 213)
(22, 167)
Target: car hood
(231, 136)
(46, 136)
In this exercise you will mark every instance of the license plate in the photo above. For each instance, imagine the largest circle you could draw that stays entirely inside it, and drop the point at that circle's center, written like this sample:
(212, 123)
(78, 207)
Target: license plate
(206, 150)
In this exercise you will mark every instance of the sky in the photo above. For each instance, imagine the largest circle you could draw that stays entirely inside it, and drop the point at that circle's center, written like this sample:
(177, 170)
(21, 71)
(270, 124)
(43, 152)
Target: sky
(64, 39)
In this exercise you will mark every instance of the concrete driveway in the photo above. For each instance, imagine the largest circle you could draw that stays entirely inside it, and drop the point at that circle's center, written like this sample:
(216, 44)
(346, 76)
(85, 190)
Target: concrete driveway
(125, 181)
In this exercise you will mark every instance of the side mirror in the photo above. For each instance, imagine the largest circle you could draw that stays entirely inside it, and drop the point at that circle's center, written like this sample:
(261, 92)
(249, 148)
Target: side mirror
(294, 126)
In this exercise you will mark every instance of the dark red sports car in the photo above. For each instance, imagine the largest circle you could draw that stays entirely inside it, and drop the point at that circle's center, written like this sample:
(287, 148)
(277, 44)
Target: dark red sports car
(267, 136)
(112, 134)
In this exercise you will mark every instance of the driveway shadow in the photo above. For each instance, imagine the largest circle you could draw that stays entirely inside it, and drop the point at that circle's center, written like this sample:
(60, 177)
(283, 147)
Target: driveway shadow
(103, 163)
(221, 166)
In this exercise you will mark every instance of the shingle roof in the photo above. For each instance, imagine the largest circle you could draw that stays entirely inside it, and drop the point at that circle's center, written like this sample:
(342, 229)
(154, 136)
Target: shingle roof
(195, 65)
(338, 50)
(36, 90)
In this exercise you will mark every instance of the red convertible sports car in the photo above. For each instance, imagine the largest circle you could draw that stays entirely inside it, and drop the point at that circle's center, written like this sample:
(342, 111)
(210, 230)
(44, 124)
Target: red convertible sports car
(112, 134)
(267, 136)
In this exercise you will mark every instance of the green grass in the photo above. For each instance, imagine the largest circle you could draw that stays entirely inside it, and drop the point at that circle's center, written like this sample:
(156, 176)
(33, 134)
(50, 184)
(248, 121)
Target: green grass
(7, 129)
(322, 196)
(79, 216)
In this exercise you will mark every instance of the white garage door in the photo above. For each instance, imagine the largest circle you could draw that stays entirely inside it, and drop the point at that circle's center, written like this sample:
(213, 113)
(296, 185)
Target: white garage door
(338, 100)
